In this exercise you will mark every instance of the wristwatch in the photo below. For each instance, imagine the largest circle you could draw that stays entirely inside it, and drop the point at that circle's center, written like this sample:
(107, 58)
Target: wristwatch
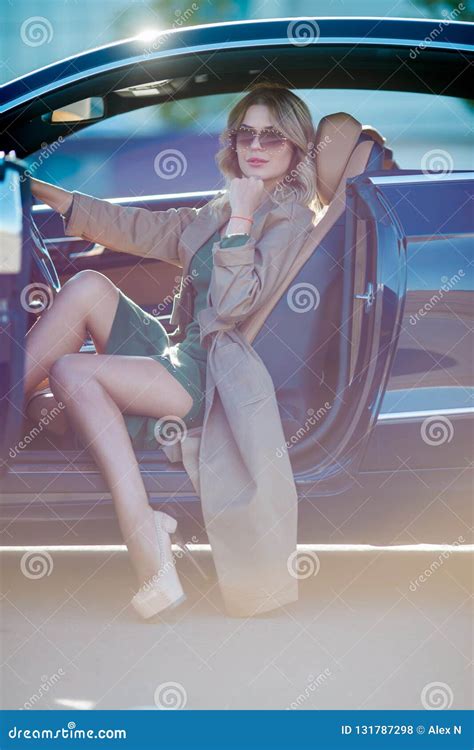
(235, 235)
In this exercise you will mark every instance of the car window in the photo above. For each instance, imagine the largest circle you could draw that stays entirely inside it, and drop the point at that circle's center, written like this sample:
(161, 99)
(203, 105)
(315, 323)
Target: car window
(162, 149)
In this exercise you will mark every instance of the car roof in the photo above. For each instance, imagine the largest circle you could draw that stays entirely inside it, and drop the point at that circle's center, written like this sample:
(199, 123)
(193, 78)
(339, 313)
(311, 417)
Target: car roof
(291, 31)
(430, 56)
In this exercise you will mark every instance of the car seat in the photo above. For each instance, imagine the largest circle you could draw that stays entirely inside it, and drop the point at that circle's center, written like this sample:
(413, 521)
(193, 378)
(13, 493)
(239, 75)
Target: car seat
(300, 345)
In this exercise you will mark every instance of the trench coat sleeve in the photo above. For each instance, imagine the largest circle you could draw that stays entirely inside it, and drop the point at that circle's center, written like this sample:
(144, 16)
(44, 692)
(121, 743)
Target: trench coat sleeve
(138, 231)
(244, 277)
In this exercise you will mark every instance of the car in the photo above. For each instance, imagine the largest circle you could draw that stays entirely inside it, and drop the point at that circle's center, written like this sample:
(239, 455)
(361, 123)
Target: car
(378, 412)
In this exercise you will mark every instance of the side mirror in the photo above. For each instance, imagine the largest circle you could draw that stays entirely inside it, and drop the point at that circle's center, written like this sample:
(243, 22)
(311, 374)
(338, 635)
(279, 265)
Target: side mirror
(91, 108)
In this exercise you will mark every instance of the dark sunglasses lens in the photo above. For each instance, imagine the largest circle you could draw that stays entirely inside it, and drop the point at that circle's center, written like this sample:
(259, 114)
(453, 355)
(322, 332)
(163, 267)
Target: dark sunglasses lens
(271, 140)
(244, 138)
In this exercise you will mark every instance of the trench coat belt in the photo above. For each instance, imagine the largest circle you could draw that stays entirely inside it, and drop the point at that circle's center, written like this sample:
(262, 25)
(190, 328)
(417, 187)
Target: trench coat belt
(209, 323)
(174, 319)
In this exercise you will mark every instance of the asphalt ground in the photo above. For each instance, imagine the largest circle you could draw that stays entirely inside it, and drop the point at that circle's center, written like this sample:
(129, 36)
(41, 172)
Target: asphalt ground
(373, 629)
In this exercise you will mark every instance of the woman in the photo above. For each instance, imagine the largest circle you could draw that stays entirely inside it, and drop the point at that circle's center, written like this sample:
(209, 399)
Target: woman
(115, 397)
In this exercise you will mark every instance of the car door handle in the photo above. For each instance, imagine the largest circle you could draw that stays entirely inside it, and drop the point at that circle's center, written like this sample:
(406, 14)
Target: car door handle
(93, 248)
(96, 249)
(368, 296)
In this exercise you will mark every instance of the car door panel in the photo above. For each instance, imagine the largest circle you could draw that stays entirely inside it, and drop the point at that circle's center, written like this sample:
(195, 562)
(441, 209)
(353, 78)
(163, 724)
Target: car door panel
(427, 412)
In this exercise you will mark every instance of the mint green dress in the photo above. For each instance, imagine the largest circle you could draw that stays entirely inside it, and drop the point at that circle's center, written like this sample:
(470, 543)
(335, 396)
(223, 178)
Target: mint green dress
(136, 332)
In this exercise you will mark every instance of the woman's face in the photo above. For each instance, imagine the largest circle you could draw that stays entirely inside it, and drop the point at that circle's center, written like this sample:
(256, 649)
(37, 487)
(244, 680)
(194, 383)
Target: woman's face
(274, 164)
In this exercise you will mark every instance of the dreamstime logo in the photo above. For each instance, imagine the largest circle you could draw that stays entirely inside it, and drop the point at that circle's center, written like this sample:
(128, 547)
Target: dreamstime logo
(46, 684)
(41, 158)
(447, 285)
(182, 19)
(438, 161)
(303, 565)
(36, 31)
(151, 582)
(437, 696)
(313, 684)
(437, 430)
(36, 565)
(169, 430)
(312, 418)
(170, 696)
(47, 417)
(308, 160)
(303, 297)
(435, 565)
(170, 163)
(36, 297)
(181, 282)
(437, 30)
(303, 32)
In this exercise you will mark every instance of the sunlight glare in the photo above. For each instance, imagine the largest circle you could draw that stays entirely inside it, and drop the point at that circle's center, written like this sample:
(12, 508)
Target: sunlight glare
(148, 35)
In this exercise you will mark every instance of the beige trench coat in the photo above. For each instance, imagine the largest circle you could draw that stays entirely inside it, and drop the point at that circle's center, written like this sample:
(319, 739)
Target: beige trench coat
(246, 486)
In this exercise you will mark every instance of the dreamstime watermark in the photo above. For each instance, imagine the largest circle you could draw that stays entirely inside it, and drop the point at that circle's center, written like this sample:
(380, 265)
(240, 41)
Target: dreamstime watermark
(170, 696)
(314, 683)
(182, 19)
(437, 696)
(170, 163)
(302, 565)
(303, 32)
(44, 421)
(313, 418)
(303, 297)
(437, 30)
(151, 582)
(36, 30)
(313, 151)
(436, 162)
(36, 564)
(437, 430)
(70, 732)
(46, 684)
(47, 150)
(447, 285)
(169, 430)
(186, 280)
(434, 566)
(36, 297)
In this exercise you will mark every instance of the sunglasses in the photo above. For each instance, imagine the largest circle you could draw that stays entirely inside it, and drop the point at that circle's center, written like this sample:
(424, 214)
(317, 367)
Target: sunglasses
(269, 138)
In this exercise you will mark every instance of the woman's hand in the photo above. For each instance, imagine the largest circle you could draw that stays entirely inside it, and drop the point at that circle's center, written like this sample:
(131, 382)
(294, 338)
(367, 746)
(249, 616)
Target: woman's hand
(245, 194)
(58, 198)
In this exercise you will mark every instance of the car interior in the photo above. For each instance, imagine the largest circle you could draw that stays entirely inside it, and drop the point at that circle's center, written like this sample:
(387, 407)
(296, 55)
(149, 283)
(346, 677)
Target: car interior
(349, 148)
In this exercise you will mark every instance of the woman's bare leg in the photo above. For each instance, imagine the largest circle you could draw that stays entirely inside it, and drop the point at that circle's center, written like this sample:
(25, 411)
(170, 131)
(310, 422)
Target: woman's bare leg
(86, 302)
(96, 389)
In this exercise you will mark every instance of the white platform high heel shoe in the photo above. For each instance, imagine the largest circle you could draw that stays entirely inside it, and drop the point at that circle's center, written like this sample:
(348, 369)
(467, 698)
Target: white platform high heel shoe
(164, 588)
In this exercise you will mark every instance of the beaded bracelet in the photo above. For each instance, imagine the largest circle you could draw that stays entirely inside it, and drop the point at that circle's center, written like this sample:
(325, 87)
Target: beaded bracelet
(242, 217)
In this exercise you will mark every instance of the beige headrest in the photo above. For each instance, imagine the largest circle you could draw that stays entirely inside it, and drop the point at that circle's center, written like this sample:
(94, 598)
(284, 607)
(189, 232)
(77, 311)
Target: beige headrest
(336, 138)
(369, 130)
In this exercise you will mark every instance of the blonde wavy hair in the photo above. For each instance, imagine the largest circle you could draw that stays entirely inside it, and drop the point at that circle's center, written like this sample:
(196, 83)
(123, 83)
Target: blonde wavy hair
(292, 117)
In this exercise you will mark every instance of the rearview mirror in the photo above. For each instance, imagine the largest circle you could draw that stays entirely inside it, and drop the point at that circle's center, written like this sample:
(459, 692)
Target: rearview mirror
(91, 108)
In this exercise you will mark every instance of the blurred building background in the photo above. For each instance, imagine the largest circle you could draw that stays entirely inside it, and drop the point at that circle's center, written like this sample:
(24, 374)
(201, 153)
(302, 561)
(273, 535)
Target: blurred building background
(99, 159)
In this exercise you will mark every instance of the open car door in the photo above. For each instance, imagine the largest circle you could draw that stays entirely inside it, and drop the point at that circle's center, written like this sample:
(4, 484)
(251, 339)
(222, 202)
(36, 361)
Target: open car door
(15, 266)
(388, 217)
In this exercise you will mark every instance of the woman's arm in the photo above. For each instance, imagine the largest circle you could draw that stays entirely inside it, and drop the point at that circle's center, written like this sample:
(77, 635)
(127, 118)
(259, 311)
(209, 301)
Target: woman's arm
(56, 197)
(244, 277)
(137, 231)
